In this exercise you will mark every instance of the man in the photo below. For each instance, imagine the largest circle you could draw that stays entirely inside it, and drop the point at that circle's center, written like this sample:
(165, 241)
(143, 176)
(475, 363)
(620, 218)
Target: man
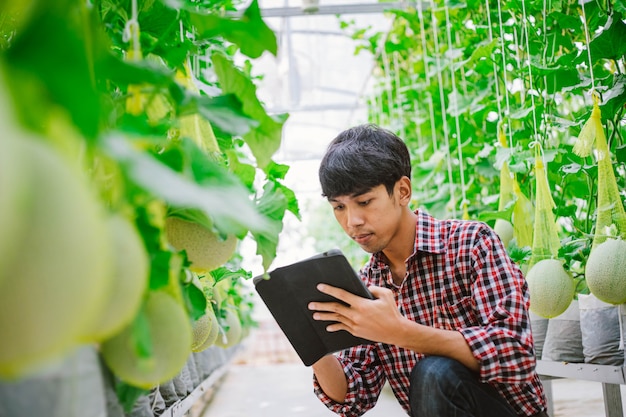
(450, 323)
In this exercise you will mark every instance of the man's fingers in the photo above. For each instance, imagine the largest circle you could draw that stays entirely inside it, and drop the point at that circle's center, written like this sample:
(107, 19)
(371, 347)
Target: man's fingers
(380, 292)
(338, 322)
(338, 293)
(325, 306)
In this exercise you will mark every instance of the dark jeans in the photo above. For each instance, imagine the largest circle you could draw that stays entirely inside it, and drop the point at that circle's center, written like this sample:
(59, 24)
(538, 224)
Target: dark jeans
(443, 387)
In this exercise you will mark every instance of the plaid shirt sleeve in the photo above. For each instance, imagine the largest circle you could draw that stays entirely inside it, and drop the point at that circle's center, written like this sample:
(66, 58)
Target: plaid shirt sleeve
(365, 382)
(502, 342)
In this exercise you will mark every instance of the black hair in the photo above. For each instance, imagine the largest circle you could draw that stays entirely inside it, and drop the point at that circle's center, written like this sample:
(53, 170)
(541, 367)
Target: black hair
(361, 158)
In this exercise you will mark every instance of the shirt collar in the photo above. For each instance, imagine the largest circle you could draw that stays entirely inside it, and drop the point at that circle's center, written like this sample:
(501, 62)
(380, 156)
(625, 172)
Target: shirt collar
(429, 234)
(428, 238)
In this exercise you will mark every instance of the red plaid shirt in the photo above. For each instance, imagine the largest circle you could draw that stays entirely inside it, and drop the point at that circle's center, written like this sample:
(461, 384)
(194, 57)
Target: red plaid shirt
(459, 277)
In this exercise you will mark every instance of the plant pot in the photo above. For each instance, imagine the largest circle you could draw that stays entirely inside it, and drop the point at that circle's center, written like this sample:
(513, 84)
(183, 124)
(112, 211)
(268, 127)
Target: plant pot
(73, 387)
(539, 327)
(601, 331)
(564, 338)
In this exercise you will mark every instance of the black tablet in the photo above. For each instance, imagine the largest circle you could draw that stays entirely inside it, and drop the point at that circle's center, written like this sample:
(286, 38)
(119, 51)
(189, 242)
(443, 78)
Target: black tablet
(288, 290)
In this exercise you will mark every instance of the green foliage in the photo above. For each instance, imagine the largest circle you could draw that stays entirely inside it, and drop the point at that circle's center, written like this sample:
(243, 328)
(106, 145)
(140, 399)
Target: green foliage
(152, 105)
(448, 78)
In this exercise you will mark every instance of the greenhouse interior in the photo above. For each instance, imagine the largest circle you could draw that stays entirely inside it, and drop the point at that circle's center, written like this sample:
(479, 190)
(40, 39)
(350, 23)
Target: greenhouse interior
(186, 139)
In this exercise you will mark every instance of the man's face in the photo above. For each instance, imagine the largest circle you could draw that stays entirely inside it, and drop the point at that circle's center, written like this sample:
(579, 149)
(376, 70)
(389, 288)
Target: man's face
(370, 219)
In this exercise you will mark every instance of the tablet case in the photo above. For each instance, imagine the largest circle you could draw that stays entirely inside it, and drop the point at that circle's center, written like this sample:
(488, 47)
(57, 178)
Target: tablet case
(288, 291)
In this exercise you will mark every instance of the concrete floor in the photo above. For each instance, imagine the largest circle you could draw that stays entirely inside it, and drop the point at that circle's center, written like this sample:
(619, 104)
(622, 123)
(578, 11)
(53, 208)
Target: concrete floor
(267, 379)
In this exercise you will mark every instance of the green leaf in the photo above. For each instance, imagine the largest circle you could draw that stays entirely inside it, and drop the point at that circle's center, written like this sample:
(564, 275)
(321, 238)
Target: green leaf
(245, 172)
(142, 339)
(566, 21)
(620, 154)
(52, 50)
(124, 73)
(486, 216)
(195, 301)
(128, 394)
(159, 269)
(277, 171)
(223, 273)
(226, 202)
(273, 204)
(614, 99)
(265, 140)
(292, 201)
(250, 33)
(483, 51)
(225, 113)
(609, 43)
(521, 113)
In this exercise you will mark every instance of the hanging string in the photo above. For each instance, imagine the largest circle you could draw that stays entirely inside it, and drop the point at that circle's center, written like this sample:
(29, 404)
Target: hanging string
(362, 92)
(431, 110)
(131, 32)
(545, 119)
(518, 59)
(530, 74)
(495, 67)
(463, 74)
(504, 70)
(443, 112)
(418, 130)
(455, 94)
(416, 109)
(389, 88)
(379, 106)
(398, 89)
(587, 42)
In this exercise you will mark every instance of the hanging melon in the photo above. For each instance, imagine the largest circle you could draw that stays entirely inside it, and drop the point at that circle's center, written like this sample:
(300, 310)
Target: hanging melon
(205, 249)
(131, 267)
(232, 332)
(210, 325)
(551, 288)
(605, 271)
(504, 230)
(51, 287)
(170, 336)
(605, 268)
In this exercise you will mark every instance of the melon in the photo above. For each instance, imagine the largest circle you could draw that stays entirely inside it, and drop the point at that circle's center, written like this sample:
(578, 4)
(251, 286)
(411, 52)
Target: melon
(605, 271)
(551, 288)
(51, 288)
(210, 323)
(200, 331)
(205, 249)
(232, 333)
(15, 198)
(14, 195)
(504, 230)
(129, 279)
(170, 334)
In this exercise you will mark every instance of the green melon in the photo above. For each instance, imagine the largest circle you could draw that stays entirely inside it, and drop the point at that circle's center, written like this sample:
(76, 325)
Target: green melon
(51, 288)
(14, 181)
(605, 271)
(204, 248)
(170, 333)
(129, 279)
(232, 333)
(504, 230)
(200, 331)
(15, 198)
(551, 288)
(213, 331)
